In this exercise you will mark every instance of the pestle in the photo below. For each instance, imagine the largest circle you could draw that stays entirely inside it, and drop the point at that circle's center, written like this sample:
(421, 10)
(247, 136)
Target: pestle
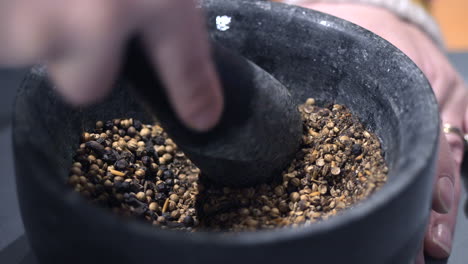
(259, 131)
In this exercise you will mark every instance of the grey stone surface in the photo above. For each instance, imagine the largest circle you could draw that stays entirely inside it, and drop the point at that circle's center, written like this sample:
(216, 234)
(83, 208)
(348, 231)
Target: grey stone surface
(312, 55)
(11, 226)
(10, 80)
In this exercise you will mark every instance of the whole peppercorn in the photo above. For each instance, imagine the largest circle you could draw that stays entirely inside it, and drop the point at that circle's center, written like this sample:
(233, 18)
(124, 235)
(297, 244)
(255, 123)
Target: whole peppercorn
(131, 131)
(167, 174)
(137, 124)
(356, 149)
(121, 164)
(161, 188)
(146, 161)
(188, 221)
(159, 140)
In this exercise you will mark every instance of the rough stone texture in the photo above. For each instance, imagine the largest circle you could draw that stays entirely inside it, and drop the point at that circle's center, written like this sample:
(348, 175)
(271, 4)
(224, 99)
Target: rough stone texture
(313, 55)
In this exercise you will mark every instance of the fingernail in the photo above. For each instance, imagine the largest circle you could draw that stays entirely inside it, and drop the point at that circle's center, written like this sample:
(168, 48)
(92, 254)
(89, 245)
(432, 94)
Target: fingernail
(443, 238)
(445, 193)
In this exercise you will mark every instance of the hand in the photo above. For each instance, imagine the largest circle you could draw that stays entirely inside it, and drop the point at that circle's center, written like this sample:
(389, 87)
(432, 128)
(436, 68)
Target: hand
(452, 97)
(82, 43)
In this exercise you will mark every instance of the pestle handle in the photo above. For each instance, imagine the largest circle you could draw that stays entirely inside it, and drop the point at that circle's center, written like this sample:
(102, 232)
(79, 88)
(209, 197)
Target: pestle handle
(259, 130)
(235, 79)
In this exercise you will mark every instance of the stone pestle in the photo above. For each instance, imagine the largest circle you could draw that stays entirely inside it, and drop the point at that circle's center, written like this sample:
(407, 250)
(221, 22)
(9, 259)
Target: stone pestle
(258, 134)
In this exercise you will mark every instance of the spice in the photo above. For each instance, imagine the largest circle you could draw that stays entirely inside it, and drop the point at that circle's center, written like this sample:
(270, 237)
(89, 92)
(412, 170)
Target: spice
(136, 170)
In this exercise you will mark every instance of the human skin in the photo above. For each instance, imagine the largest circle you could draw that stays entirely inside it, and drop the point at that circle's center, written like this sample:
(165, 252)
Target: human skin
(82, 41)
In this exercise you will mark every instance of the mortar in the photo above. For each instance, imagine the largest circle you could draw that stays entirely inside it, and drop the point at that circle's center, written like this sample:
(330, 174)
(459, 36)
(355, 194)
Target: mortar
(313, 55)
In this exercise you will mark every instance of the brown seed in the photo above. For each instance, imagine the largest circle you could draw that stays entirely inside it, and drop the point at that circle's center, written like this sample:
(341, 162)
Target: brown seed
(99, 124)
(320, 162)
(86, 137)
(323, 189)
(118, 179)
(145, 132)
(310, 101)
(251, 222)
(283, 207)
(174, 197)
(294, 196)
(275, 212)
(108, 184)
(244, 211)
(172, 206)
(175, 214)
(328, 157)
(344, 139)
(160, 150)
(167, 157)
(169, 149)
(141, 196)
(140, 173)
(76, 171)
(149, 193)
(153, 206)
(295, 182)
(335, 170)
(74, 179)
(300, 219)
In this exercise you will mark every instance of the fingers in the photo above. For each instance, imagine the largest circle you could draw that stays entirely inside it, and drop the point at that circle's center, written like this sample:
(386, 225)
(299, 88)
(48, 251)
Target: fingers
(182, 57)
(26, 31)
(439, 236)
(86, 70)
(444, 191)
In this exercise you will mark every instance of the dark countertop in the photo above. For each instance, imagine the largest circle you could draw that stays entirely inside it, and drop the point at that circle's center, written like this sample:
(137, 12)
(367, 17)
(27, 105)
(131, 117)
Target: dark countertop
(14, 247)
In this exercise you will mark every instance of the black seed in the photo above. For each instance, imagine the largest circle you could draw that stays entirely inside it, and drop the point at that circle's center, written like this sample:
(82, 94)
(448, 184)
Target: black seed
(135, 188)
(96, 148)
(291, 188)
(188, 221)
(121, 164)
(167, 174)
(110, 156)
(160, 197)
(169, 182)
(137, 124)
(161, 188)
(150, 150)
(109, 124)
(122, 186)
(159, 140)
(127, 155)
(146, 160)
(356, 149)
(122, 133)
(83, 160)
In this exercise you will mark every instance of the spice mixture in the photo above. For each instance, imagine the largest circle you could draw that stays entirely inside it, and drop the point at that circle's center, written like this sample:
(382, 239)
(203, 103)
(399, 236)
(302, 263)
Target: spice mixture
(136, 170)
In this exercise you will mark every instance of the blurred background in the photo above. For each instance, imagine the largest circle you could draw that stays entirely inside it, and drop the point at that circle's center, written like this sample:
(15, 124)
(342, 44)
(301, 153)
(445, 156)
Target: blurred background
(451, 15)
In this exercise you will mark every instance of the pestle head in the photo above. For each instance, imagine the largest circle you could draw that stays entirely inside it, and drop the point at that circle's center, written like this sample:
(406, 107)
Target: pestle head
(260, 129)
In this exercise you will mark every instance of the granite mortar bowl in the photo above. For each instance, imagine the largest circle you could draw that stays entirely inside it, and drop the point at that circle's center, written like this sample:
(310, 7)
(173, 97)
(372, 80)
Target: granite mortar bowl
(313, 55)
